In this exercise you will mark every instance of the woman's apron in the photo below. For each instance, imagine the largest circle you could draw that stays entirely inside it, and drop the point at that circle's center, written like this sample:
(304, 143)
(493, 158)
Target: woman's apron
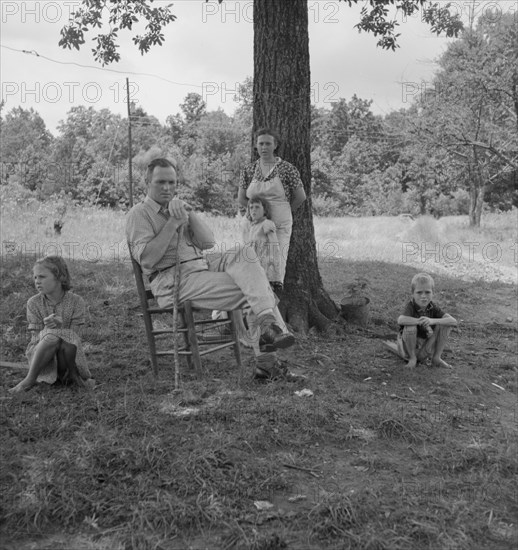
(280, 213)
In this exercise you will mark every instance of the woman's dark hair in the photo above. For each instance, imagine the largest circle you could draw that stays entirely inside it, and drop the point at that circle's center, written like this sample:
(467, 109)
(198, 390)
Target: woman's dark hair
(58, 267)
(256, 199)
(268, 132)
(163, 163)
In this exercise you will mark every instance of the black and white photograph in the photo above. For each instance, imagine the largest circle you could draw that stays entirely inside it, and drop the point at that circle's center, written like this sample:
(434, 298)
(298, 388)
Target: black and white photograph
(259, 273)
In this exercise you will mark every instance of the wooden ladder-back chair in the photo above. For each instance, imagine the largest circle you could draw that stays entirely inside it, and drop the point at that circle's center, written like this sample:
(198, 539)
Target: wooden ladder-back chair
(197, 341)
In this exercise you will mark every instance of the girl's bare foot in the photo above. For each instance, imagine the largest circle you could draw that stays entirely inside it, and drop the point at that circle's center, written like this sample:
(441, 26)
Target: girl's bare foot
(24, 385)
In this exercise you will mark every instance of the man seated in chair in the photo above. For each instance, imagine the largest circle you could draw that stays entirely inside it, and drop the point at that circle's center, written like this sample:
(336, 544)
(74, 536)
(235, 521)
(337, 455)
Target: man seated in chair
(233, 280)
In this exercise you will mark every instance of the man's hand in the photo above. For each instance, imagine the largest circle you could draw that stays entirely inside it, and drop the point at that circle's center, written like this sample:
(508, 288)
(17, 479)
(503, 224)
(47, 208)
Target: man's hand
(179, 210)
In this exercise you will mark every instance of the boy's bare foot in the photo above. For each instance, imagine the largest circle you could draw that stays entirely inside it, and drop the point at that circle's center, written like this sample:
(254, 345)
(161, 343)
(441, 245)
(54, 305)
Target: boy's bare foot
(411, 363)
(24, 385)
(438, 362)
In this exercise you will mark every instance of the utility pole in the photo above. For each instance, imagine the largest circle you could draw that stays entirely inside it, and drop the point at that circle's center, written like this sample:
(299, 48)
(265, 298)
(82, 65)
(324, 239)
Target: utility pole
(130, 154)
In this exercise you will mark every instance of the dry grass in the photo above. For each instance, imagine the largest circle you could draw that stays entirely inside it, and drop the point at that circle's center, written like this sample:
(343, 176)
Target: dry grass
(439, 246)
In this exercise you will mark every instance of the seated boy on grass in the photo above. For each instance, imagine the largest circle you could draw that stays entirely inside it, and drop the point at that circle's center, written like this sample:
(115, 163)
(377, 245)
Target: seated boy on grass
(423, 326)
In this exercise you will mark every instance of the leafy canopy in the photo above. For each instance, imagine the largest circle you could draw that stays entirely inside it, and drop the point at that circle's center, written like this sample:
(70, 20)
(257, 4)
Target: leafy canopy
(123, 14)
(375, 19)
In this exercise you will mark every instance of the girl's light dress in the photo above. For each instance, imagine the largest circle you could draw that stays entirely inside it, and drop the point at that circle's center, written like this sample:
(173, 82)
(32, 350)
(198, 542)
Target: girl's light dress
(262, 236)
(277, 188)
(72, 310)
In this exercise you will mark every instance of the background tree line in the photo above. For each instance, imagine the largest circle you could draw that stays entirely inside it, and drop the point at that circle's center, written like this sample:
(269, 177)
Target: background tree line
(452, 151)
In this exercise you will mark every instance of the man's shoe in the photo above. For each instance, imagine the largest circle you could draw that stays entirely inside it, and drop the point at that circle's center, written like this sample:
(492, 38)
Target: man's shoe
(272, 337)
(268, 368)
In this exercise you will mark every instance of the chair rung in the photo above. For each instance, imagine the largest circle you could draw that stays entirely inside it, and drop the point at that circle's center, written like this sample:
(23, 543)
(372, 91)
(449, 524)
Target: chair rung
(167, 331)
(210, 342)
(160, 310)
(216, 322)
(171, 352)
(200, 334)
(202, 352)
(216, 348)
(157, 310)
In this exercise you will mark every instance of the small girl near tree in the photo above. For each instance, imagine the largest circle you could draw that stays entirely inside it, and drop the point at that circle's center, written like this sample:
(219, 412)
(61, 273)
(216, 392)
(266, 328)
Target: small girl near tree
(55, 317)
(262, 235)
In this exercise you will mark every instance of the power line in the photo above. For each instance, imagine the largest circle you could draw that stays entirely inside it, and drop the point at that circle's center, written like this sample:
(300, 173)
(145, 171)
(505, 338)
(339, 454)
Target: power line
(36, 54)
(369, 134)
(298, 97)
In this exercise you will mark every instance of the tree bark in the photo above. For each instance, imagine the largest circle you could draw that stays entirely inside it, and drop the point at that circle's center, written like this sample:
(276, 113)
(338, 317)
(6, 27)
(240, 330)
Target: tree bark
(477, 190)
(282, 92)
(481, 187)
(515, 95)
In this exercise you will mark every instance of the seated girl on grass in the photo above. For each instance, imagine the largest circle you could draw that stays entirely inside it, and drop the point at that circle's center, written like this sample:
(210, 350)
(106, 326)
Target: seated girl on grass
(55, 317)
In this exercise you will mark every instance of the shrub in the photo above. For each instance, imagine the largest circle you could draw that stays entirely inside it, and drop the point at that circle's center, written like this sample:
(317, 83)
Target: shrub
(326, 206)
(451, 205)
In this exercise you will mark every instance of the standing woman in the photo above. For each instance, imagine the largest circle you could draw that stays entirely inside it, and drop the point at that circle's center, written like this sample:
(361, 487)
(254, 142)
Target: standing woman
(278, 182)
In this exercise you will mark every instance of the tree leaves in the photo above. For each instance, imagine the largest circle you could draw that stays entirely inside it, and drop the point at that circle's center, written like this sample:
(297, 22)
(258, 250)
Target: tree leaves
(376, 19)
(469, 112)
(122, 15)
(441, 20)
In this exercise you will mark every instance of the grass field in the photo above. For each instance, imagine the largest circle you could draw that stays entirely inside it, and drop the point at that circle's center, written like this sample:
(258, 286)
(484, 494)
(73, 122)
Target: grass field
(378, 457)
(445, 246)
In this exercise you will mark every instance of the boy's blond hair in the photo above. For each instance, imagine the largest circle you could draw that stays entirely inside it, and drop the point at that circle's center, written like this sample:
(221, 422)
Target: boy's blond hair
(422, 278)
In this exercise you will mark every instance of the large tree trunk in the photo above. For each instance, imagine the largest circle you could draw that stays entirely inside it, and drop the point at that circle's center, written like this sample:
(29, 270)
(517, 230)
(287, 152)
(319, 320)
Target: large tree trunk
(282, 91)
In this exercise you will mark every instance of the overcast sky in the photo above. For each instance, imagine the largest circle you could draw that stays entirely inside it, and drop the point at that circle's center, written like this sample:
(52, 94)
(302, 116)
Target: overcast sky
(207, 50)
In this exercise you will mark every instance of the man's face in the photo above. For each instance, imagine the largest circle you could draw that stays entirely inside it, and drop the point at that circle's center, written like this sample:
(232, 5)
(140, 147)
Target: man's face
(162, 186)
(423, 294)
